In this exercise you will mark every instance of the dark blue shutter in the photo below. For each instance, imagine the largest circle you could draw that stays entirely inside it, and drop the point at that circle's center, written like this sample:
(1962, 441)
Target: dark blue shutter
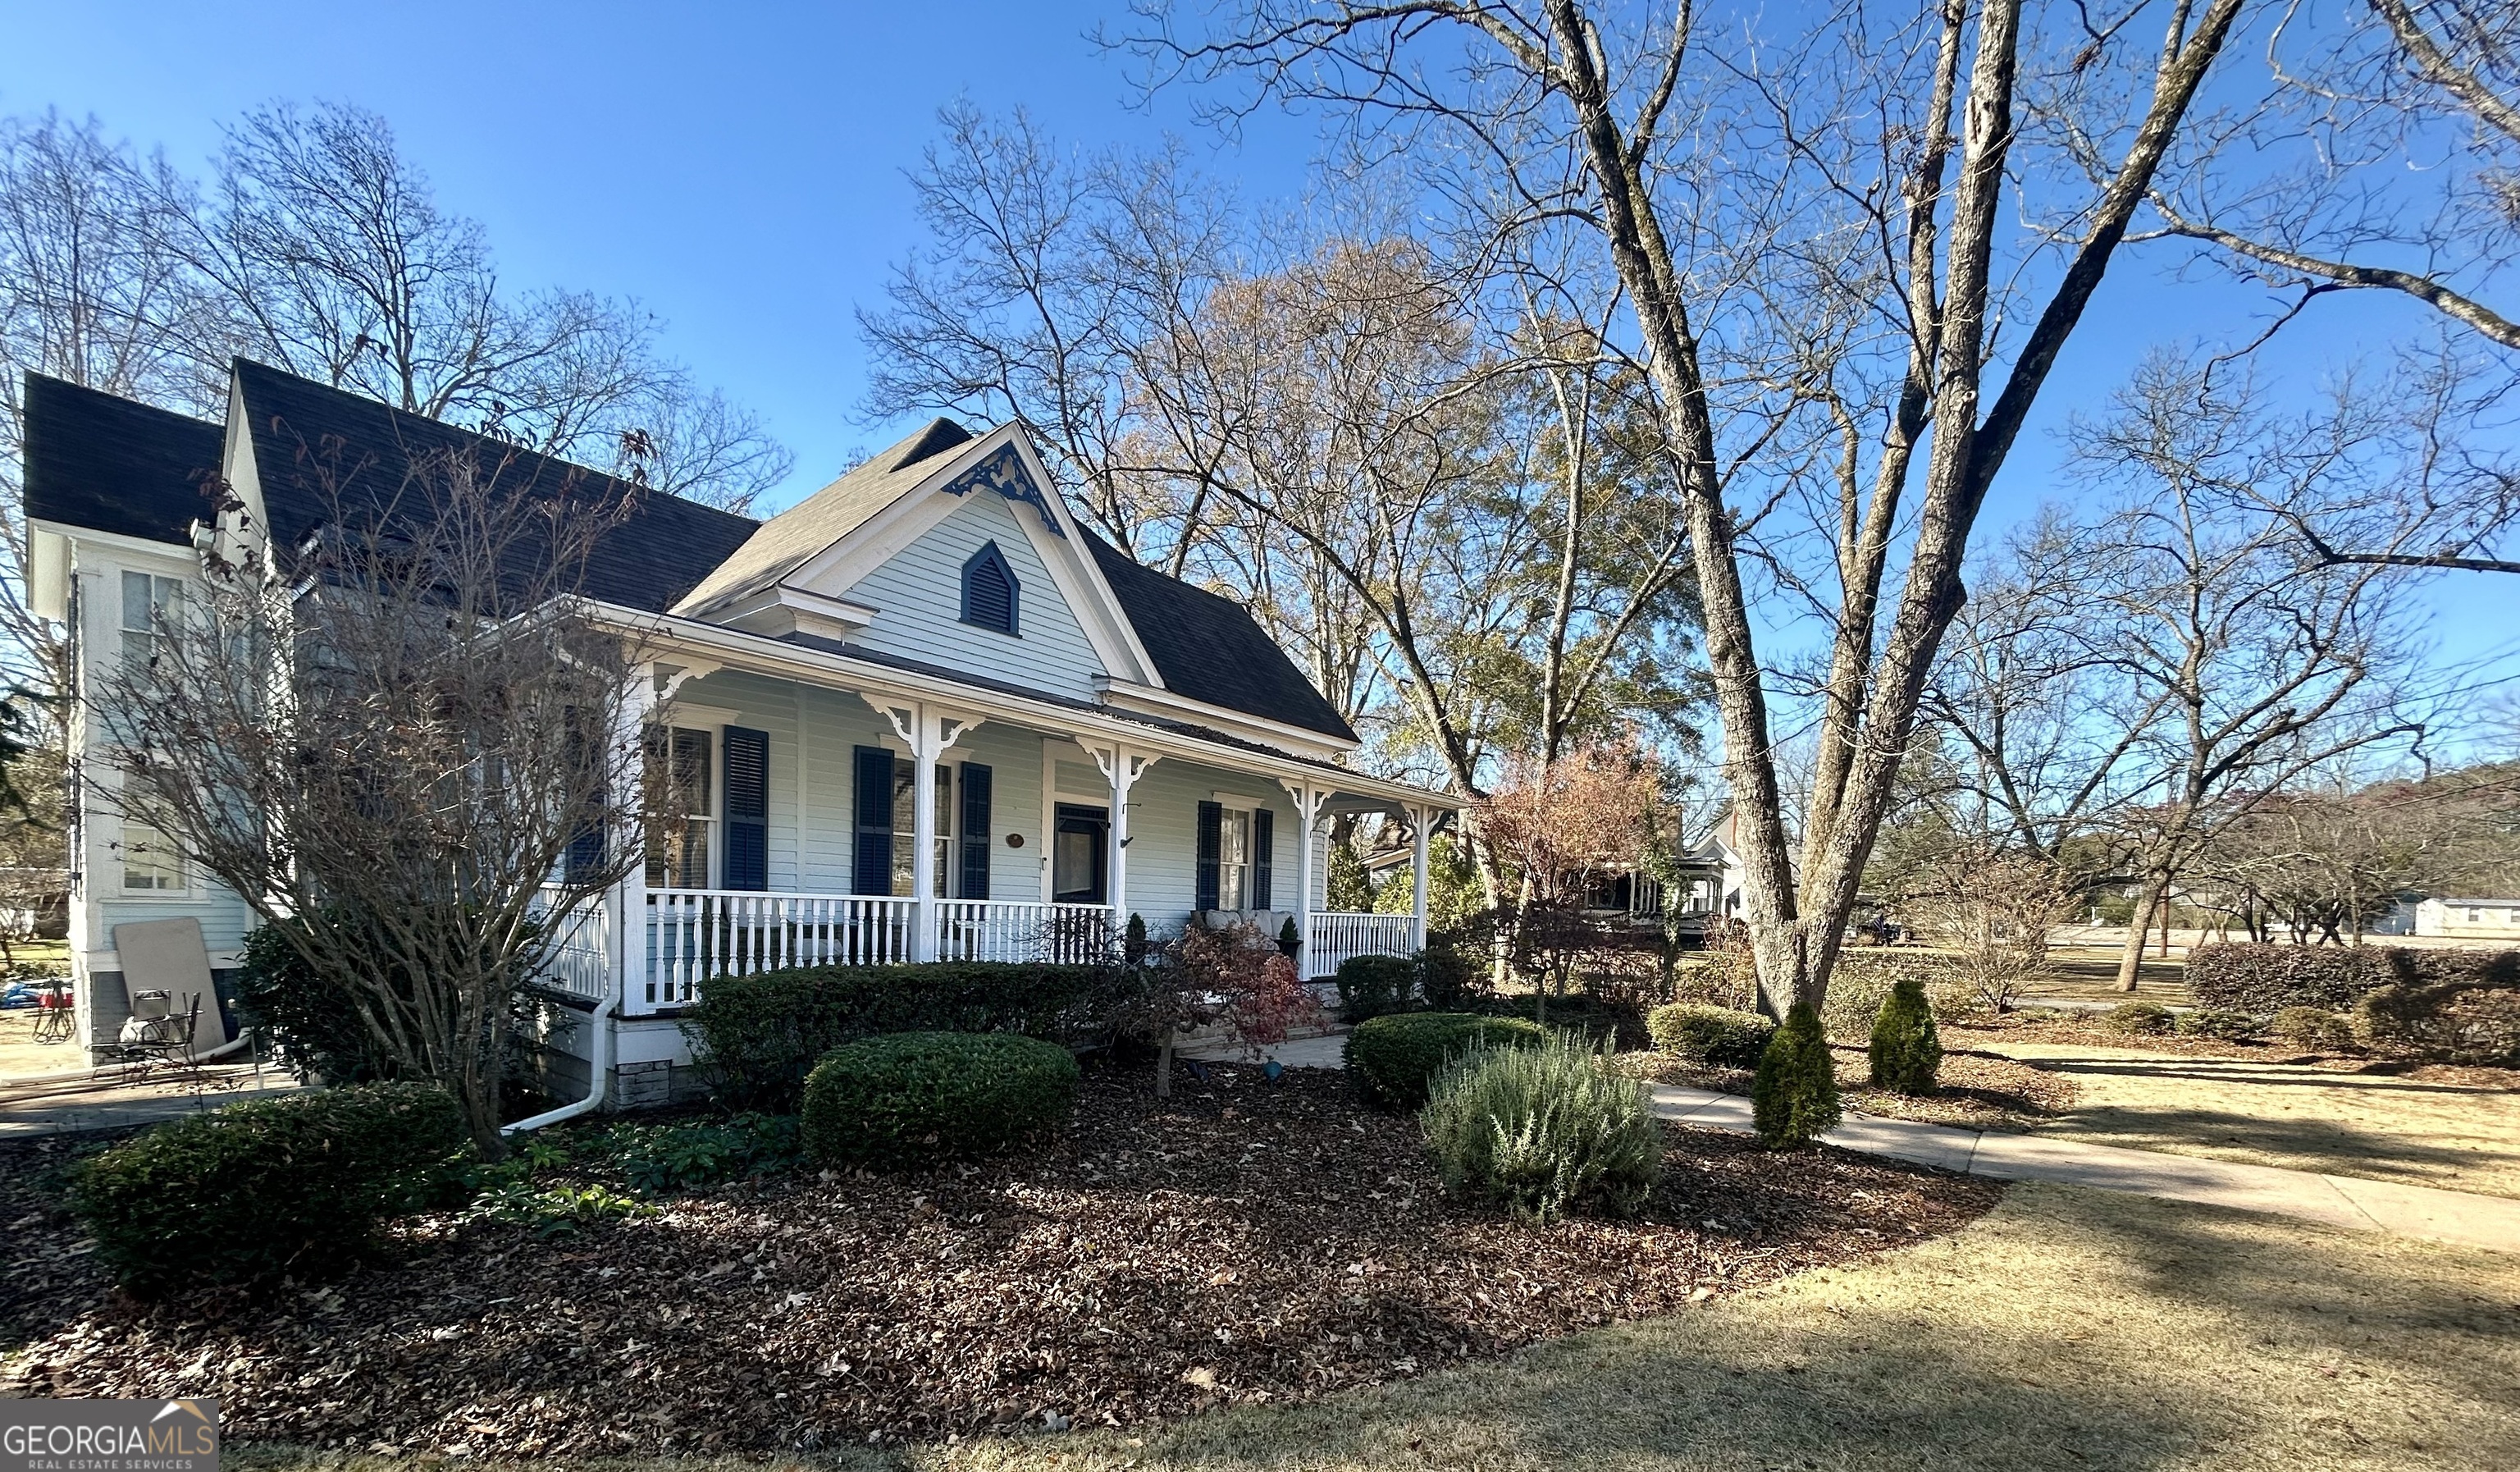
(1211, 841)
(1264, 836)
(871, 867)
(977, 839)
(748, 809)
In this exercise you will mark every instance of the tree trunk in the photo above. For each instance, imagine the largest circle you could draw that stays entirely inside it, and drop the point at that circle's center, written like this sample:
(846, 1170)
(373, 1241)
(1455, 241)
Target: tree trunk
(1164, 1063)
(2131, 958)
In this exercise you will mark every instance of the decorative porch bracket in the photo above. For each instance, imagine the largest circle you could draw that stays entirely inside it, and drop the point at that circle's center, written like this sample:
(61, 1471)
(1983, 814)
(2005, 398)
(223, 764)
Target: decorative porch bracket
(1121, 768)
(1310, 798)
(929, 732)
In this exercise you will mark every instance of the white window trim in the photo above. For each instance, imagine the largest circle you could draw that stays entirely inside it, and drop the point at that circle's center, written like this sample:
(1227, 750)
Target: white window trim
(186, 893)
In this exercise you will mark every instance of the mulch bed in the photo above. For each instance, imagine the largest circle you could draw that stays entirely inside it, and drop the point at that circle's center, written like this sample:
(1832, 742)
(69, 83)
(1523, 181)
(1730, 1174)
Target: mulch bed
(1245, 1242)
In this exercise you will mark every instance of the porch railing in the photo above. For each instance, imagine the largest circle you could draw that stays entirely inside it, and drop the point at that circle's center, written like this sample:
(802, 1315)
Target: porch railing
(1337, 936)
(695, 935)
(578, 960)
(1022, 930)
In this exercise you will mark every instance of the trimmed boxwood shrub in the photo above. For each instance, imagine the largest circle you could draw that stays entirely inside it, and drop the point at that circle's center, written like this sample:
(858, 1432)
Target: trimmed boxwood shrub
(2314, 1029)
(2217, 1022)
(296, 1184)
(907, 1100)
(1546, 1132)
(1907, 1051)
(1718, 1036)
(1397, 1056)
(1371, 985)
(2446, 1022)
(1793, 1101)
(758, 1035)
(2139, 1018)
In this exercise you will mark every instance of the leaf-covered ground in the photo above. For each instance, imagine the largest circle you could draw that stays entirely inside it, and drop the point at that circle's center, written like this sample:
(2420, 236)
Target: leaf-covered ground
(1244, 1243)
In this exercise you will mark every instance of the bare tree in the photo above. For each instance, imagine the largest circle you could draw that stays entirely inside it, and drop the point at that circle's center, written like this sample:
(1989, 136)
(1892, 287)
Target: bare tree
(399, 745)
(2389, 82)
(1617, 128)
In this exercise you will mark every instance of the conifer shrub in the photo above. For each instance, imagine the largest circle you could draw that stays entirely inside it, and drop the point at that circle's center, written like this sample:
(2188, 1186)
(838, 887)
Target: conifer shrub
(909, 1099)
(1718, 1036)
(1794, 1098)
(1546, 1132)
(2219, 1023)
(248, 1191)
(1907, 1048)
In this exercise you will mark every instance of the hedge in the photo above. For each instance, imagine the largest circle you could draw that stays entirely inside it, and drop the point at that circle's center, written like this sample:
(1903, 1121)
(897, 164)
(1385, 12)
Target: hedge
(1397, 1056)
(907, 1100)
(2264, 978)
(246, 1191)
(2446, 1022)
(759, 1036)
(1718, 1036)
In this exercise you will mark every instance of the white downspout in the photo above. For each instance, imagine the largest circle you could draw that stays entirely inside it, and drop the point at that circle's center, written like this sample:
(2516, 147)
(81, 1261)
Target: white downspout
(602, 1068)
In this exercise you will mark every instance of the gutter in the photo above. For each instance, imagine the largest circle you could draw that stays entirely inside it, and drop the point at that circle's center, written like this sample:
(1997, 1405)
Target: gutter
(601, 1070)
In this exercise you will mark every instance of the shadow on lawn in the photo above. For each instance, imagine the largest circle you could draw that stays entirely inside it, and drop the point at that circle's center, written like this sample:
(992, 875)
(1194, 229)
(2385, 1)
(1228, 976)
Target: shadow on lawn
(2310, 1143)
(2259, 1074)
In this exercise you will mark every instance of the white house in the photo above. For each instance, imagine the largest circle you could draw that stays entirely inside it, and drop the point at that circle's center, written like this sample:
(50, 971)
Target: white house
(926, 714)
(2468, 919)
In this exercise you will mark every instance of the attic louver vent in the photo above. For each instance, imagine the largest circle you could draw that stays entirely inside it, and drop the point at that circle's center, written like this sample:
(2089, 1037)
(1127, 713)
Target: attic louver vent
(989, 590)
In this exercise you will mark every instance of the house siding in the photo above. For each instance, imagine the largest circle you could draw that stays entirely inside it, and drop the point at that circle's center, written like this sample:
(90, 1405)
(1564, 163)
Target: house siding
(918, 593)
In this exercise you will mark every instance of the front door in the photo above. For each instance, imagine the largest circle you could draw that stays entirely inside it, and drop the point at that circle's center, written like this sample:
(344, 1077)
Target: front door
(1080, 855)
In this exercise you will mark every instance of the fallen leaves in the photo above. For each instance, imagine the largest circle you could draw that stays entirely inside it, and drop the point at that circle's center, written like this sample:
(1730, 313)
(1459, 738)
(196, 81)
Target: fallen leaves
(1241, 1242)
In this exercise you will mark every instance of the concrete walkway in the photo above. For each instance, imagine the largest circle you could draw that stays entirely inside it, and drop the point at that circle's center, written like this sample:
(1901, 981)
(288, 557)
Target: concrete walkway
(1329, 1050)
(2427, 1212)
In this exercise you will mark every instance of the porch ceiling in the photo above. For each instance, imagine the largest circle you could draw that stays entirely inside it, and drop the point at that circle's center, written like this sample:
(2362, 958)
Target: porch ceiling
(670, 639)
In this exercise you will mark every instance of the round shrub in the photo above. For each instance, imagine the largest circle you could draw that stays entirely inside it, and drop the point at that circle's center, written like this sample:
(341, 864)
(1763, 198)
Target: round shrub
(2314, 1029)
(1794, 1099)
(1907, 1048)
(2139, 1019)
(1371, 985)
(248, 1191)
(1546, 1131)
(2217, 1022)
(906, 1099)
(1719, 1036)
(1398, 1056)
(2445, 1022)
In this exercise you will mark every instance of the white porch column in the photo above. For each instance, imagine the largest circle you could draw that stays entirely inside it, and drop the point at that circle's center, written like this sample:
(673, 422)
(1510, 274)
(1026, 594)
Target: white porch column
(1308, 810)
(629, 902)
(1121, 768)
(929, 732)
(1420, 820)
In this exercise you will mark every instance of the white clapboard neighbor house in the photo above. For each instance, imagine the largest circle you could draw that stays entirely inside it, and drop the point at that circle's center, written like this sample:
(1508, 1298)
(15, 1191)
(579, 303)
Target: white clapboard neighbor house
(924, 713)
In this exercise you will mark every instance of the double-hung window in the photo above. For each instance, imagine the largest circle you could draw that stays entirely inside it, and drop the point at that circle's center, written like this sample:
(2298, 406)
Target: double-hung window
(149, 606)
(905, 836)
(1234, 860)
(151, 865)
(679, 840)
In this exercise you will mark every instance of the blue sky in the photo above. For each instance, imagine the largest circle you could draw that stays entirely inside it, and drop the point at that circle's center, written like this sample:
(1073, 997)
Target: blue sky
(739, 169)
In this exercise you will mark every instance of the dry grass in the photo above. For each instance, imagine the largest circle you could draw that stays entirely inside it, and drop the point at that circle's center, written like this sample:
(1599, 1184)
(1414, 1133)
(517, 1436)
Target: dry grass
(2429, 1127)
(2067, 1329)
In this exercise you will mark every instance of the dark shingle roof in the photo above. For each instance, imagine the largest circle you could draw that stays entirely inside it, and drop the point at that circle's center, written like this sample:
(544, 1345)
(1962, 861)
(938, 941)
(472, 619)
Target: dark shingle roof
(1209, 648)
(312, 443)
(102, 462)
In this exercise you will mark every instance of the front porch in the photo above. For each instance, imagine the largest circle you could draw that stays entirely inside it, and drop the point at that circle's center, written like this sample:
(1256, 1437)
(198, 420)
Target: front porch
(687, 937)
(838, 810)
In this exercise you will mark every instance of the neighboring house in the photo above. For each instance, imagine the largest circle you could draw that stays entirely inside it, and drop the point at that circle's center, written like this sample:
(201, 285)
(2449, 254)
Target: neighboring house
(2468, 919)
(1091, 738)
